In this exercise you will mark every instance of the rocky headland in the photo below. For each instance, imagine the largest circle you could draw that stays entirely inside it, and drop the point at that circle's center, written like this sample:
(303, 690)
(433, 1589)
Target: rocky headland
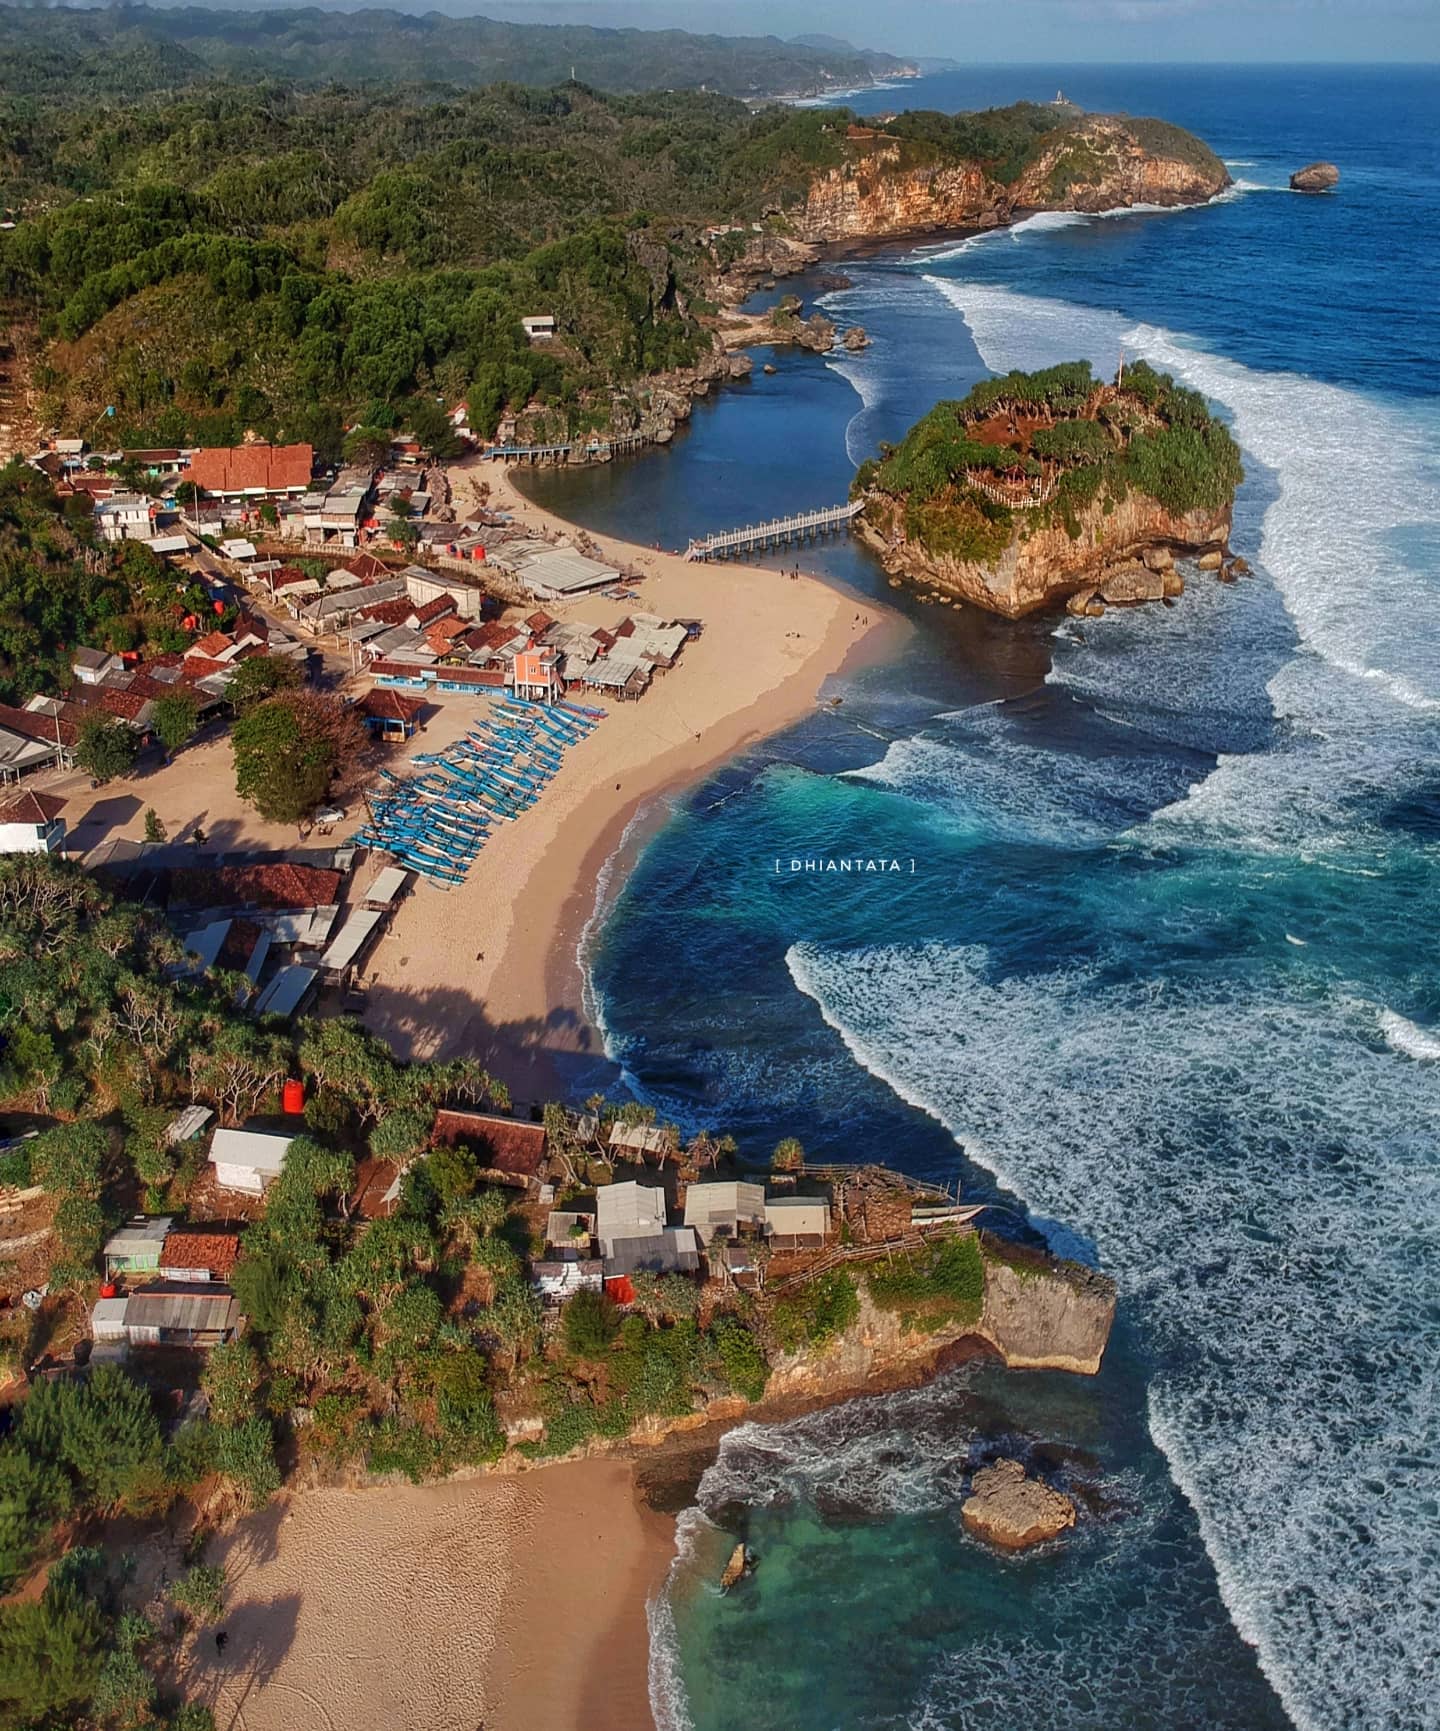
(1045, 486)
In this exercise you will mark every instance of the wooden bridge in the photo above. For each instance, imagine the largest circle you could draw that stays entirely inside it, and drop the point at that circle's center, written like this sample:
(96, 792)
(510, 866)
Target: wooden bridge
(803, 525)
(588, 450)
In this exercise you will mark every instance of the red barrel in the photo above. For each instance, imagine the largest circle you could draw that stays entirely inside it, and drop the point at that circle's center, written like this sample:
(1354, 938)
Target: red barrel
(108, 1290)
(293, 1097)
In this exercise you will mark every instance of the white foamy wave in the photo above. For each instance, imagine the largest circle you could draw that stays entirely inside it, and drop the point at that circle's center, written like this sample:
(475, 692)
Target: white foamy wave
(1272, 1250)
(866, 384)
(981, 772)
(1405, 1036)
(669, 1703)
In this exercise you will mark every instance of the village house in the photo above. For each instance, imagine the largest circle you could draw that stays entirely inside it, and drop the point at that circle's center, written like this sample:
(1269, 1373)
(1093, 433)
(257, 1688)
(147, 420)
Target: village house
(34, 738)
(31, 823)
(725, 1210)
(510, 1150)
(538, 327)
(247, 1160)
(172, 1313)
(628, 1210)
(390, 715)
(257, 472)
(537, 675)
(90, 666)
(797, 1222)
(136, 1247)
(195, 1254)
(555, 1281)
(124, 517)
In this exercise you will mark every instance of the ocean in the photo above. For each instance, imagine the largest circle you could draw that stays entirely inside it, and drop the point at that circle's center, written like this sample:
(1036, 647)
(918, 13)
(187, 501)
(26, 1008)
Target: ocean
(1162, 978)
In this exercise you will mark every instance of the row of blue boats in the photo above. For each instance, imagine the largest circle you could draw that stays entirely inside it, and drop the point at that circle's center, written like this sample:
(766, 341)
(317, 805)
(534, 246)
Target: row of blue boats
(436, 822)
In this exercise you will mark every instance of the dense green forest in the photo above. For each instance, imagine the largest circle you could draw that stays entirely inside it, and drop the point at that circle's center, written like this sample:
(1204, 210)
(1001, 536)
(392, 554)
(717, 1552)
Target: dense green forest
(275, 258)
(62, 52)
(1059, 430)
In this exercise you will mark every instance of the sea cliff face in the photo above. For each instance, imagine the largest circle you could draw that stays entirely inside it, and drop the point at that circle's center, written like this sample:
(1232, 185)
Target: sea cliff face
(1100, 164)
(1044, 565)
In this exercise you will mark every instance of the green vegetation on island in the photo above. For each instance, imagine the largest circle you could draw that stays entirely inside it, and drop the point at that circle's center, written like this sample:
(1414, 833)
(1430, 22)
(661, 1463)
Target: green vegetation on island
(1032, 450)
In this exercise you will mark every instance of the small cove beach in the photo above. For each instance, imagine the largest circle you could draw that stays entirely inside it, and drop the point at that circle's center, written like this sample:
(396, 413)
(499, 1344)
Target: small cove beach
(490, 969)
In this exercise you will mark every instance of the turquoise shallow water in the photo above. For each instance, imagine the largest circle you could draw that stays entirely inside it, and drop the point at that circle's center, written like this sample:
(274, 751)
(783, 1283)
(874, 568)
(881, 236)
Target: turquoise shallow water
(1163, 977)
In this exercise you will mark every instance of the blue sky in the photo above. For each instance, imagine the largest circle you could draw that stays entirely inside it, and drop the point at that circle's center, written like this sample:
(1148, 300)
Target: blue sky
(1046, 31)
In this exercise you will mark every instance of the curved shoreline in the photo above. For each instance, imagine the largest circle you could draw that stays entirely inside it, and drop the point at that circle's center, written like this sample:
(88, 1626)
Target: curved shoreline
(768, 646)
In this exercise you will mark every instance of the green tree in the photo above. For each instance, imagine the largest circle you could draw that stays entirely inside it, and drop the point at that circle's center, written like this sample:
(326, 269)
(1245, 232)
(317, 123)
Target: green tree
(103, 1431)
(51, 1654)
(176, 716)
(259, 677)
(789, 1155)
(154, 828)
(231, 1381)
(368, 447)
(107, 747)
(287, 749)
(200, 1593)
(34, 1493)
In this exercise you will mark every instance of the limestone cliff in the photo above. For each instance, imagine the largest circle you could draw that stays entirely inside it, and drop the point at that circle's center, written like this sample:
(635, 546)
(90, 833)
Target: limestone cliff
(1038, 1314)
(1044, 565)
(892, 186)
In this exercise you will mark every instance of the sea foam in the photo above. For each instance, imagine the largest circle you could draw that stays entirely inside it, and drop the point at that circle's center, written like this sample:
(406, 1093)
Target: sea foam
(1273, 1244)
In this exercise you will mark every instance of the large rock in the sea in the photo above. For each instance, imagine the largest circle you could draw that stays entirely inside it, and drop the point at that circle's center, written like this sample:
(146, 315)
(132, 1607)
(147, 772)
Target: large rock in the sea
(1316, 177)
(1132, 583)
(1007, 1508)
(856, 338)
(1044, 1315)
(735, 1569)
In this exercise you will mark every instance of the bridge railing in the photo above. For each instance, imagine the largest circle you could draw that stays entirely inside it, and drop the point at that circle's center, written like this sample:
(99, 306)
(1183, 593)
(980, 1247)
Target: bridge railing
(756, 534)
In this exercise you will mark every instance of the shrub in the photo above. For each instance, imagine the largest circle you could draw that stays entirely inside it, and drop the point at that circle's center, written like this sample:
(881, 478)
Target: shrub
(590, 1324)
(741, 1356)
(824, 1308)
(945, 1282)
(200, 1593)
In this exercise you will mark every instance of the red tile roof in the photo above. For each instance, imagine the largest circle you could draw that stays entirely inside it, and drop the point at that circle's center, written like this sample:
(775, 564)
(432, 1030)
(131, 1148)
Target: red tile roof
(432, 610)
(126, 704)
(213, 645)
(34, 808)
(266, 886)
(368, 568)
(538, 622)
(215, 1252)
(237, 468)
(503, 1144)
(491, 677)
(285, 576)
(31, 724)
(239, 945)
(199, 667)
(394, 612)
(385, 705)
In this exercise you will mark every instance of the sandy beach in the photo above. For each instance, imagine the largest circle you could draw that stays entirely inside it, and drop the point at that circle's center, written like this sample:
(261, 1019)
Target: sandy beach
(490, 969)
(505, 1603)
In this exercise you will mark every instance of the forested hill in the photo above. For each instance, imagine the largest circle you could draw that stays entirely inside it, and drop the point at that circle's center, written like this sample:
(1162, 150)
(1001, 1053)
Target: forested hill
(134, 49)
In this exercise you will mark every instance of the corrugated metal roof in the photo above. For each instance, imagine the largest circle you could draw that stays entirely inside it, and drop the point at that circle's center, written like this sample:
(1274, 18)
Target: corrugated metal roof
(190, 1122)
(673, 1251)
(388, 885)
(351, 938)
(203, 1308)
(628, 1210)
(262, 1149)
(284, 994)
(139, 1234)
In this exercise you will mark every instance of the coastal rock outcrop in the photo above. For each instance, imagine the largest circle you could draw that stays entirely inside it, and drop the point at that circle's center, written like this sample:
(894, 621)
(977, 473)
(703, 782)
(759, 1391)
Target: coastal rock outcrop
(1049, 564)
(1040, 1314)
(890, 185)
(1315, 177)
(1008, 1508)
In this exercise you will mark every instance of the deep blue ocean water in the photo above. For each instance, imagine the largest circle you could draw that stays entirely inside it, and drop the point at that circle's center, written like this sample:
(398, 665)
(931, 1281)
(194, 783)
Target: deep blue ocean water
(1163, 977)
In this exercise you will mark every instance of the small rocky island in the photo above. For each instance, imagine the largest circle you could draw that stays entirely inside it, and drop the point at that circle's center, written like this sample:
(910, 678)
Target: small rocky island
(1008, 1508)
(1317, 177)
(1042, 487)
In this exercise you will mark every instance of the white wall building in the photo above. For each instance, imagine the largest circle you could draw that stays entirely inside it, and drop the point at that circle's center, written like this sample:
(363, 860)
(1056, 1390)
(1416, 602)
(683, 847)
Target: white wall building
(247, 1160)
(31, 823)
